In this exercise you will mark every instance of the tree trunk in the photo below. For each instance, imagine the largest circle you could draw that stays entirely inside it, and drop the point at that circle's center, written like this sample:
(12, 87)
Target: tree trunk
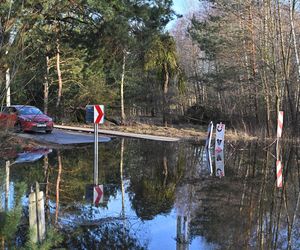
(46, 86)
(58, 74)
(123, 117)
(253, 63)
(292, 11)
(286, 59)
(7, 75)
(165, 92)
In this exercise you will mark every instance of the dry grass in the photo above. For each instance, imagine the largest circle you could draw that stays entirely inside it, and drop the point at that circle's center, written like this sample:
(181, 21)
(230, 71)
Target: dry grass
(186, 131)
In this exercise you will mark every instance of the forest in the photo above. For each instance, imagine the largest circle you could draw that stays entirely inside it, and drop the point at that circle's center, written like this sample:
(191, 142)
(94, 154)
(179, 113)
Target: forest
(227, 60)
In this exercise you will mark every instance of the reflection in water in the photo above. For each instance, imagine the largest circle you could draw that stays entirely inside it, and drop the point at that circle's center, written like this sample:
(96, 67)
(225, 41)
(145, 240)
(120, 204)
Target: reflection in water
(121, 176)
(161, 196)
(7, 170)
(32, 155)
(59, 160)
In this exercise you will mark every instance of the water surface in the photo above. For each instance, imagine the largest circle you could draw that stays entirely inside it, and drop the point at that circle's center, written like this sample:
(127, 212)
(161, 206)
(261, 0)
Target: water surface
(156, 196)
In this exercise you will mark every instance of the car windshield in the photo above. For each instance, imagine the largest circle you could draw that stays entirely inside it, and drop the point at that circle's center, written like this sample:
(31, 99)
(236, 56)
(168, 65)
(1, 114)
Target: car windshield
(30, 111)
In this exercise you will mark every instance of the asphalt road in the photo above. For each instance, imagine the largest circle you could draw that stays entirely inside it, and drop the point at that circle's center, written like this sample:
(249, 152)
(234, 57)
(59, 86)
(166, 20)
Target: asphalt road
(122, 134)
(64, 137)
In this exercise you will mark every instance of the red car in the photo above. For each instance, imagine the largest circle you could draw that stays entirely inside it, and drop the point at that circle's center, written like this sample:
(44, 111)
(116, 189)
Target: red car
(25, 118)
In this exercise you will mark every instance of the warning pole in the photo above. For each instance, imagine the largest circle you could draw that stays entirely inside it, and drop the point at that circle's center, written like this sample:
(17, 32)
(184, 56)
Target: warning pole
(279, 166)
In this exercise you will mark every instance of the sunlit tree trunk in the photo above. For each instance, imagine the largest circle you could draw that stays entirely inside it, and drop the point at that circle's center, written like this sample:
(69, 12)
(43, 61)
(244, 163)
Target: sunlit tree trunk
(59, 77)
(46, 86)
(165, 92)
(123, 117)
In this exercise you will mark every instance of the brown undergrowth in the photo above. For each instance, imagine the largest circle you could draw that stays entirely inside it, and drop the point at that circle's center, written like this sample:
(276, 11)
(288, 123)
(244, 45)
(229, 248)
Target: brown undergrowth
(185, 132)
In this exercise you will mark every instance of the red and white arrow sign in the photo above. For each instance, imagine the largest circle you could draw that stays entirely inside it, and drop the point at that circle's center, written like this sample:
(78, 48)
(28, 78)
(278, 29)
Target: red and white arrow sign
(98, 114)
(98, 194)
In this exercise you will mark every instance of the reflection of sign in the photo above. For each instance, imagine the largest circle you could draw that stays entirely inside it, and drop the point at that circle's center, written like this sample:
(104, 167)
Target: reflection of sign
(99, 114)
(208, 160)
(219, 150)
(209, 134)
(279, 173)
(220, 164)
(94, 114)
(279, 124)
(98, 194)
(207, 146)
(33, 155)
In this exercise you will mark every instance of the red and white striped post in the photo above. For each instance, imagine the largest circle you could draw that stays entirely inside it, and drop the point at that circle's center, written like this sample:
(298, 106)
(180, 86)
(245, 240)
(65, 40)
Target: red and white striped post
(279, 173)
(279, 124)
(279, 166)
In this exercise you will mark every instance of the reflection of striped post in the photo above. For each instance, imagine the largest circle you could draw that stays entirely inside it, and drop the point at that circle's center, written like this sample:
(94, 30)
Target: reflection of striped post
(279, 173)
(279, 124)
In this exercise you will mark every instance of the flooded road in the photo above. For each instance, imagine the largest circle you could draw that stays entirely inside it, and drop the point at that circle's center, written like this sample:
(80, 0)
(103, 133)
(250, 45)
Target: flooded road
(153, 195)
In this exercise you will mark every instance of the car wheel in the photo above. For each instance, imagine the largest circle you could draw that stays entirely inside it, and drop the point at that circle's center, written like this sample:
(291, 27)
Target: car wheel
(48, 131)
(18, 128)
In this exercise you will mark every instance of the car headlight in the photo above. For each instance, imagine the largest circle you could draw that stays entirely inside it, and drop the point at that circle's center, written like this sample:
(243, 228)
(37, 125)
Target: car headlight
(27, 120)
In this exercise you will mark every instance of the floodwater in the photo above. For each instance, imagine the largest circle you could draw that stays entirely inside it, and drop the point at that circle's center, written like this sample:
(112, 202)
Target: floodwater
(155, 196)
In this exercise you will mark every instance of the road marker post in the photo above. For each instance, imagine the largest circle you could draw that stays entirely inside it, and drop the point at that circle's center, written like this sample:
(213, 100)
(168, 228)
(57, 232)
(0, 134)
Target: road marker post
(279, 169)
(279, 166)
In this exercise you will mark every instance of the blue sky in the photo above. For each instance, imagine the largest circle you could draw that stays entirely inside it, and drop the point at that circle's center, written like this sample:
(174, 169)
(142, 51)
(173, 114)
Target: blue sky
(183, 7)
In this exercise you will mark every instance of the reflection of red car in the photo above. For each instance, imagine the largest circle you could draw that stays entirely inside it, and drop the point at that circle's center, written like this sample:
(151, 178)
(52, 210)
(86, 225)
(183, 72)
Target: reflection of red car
(25, 118)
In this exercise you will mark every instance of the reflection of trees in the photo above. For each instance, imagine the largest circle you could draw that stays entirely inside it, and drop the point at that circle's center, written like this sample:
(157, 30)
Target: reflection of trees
(10, 220)
(109, 235)
(73, 169)
(154, 174)
(245, 209)
(58, 186)
(152, 198)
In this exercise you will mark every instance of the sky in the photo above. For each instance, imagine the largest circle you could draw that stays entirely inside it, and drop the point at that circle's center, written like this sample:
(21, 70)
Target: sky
(183, 7)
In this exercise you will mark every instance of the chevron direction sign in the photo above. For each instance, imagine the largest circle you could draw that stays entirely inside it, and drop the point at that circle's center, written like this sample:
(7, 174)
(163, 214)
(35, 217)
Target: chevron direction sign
(94, 114)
